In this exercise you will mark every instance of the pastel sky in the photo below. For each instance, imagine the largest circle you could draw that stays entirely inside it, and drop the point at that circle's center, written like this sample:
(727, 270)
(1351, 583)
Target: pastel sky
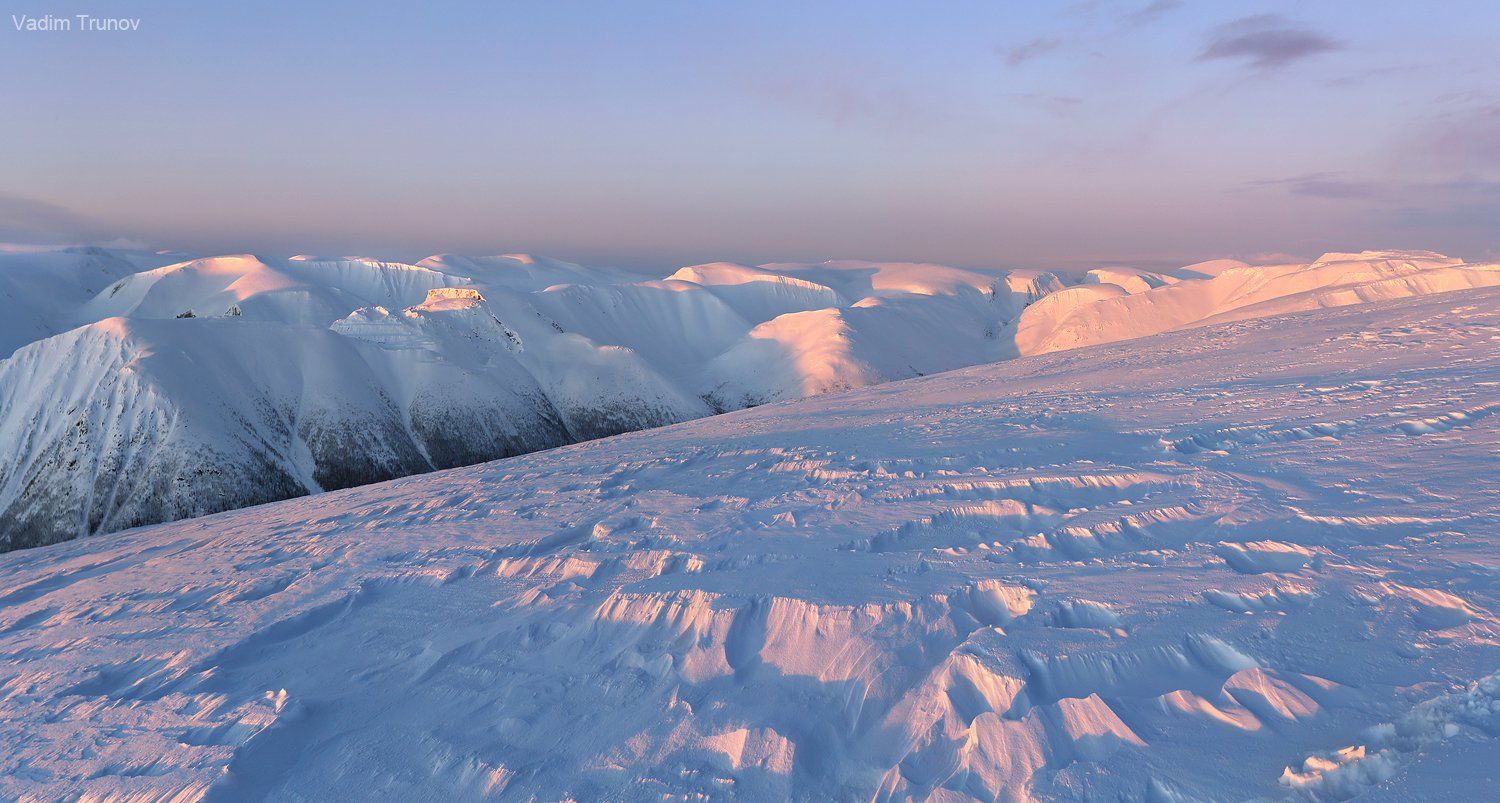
(653, 133)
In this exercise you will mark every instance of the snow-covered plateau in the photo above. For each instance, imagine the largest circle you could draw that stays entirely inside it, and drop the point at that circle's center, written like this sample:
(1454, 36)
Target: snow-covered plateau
(138, 387)
(1252, 558)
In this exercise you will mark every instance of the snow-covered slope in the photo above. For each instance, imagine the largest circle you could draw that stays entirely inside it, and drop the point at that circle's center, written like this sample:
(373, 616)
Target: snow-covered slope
(1249, 560)
(296, 290)
(132, 421)
(41, 292)
(523, 271)
(1234, 293)
(577, 353)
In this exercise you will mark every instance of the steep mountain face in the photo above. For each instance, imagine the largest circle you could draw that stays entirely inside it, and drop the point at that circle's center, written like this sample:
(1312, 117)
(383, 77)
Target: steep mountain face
(226, 381)
(133, 421)
(594, 390)
(1250, 560)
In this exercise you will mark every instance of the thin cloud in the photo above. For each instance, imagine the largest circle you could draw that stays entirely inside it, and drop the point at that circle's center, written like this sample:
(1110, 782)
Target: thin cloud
(1056, 104)
(1151, 12)
(1477, 216)
(1325, 185)
(1466, 141)
(1021, 54)
(1050, 100)
(28, 220)
(1266, 42)
(864, 101)
(1339, 186)
(1372, 74)
(1463, 213)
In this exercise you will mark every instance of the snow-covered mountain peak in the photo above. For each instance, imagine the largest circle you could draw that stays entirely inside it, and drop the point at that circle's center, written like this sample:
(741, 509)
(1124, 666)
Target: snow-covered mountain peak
(289, 291)
(1129, 279)
(346, 258)
(451, 298)
(523, 272)
(1417, 258)
(452, 322)
(1208, 269)
(855, 278)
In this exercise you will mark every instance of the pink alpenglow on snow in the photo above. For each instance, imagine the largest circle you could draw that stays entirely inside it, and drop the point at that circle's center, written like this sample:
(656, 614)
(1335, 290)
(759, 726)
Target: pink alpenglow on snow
(138, 392)
(1211, 556)
(919, 402)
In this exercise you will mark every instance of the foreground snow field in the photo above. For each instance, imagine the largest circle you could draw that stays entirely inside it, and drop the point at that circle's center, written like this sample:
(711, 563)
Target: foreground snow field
(1255, 559)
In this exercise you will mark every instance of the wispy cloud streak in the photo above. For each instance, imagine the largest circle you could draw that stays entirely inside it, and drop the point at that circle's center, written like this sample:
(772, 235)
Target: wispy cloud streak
(1265, 42)
(1023, 53)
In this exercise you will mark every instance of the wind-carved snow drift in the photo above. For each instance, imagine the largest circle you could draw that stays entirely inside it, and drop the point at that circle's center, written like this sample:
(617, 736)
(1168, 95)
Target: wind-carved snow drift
(1253, 560)
(140, 392)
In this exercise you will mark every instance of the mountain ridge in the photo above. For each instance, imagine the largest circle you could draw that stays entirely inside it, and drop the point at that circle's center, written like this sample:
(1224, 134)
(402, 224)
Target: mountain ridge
(471, 359)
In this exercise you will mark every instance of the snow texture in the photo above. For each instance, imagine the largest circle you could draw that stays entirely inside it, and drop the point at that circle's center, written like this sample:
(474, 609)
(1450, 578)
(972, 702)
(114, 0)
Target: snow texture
(1218, 563)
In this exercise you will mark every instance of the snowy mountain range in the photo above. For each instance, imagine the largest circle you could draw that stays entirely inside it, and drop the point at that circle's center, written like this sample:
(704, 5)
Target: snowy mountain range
(1253, 558)
(138, 388)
